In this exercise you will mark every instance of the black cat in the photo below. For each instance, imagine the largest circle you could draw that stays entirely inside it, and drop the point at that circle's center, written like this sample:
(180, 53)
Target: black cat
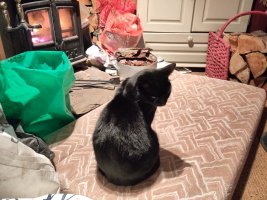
(126, 148)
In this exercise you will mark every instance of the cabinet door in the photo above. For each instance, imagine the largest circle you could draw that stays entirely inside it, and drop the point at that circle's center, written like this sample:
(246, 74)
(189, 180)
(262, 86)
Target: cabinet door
(166, 16)
(210, 15)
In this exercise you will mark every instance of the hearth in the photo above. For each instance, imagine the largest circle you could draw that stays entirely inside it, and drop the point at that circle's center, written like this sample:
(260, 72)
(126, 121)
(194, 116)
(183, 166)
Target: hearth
(42, 25)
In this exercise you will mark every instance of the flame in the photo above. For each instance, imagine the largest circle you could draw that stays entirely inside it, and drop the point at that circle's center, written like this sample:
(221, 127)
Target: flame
(44, 34)
(66, 22)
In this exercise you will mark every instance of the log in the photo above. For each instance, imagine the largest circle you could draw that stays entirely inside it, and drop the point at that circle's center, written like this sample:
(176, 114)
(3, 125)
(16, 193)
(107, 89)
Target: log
(237, 63)
(257, 63)
(263, 36)
(249, 56)
(93, 21)
(233, 40)
(243, 75)
(265, 86)
(258, 82)
(247, 43)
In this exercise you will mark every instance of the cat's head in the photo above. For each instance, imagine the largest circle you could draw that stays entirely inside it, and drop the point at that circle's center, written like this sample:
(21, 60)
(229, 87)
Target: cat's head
(150, 86)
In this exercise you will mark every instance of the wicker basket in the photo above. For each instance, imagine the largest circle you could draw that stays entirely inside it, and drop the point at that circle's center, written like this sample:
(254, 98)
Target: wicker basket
(218, 53)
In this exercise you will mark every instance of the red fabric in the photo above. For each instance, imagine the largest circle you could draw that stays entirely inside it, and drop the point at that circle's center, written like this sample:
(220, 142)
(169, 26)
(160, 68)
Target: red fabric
(258, 22)
(126, 23)
(106, 6)
(122, 30)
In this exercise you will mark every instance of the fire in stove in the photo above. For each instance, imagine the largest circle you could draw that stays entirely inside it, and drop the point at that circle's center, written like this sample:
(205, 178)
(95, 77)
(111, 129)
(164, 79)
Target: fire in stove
(44, 34)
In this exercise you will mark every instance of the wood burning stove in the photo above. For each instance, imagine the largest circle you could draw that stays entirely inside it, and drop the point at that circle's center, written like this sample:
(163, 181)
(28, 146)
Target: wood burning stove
(44, 25)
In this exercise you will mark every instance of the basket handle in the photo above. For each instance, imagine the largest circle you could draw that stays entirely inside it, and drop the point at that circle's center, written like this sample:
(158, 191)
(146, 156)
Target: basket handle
(254, 12)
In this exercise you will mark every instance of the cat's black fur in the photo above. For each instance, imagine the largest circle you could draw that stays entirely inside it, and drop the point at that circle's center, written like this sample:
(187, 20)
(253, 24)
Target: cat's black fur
(126, 148)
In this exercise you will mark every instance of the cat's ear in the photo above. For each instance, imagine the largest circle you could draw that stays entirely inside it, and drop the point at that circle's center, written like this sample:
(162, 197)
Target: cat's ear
(128, 87)
(167, 70)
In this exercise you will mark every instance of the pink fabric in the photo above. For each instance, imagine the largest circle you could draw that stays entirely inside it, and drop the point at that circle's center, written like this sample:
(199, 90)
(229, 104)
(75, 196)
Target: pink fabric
(218, 55)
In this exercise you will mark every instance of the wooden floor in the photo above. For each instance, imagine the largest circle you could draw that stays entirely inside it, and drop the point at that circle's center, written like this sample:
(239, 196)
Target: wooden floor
(252, 184)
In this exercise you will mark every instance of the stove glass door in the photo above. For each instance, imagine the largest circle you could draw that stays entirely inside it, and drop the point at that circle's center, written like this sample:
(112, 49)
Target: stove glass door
(67, 22)
(44, 34)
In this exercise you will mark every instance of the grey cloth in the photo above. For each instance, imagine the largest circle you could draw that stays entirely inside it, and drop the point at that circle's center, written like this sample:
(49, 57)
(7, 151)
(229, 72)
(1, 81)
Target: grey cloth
(37, 144)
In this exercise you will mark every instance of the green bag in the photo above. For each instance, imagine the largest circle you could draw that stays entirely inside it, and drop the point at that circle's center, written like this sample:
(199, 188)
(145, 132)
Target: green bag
(34, 89)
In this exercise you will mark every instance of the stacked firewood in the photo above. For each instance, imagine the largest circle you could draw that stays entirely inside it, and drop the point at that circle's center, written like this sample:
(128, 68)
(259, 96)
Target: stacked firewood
(248, 62)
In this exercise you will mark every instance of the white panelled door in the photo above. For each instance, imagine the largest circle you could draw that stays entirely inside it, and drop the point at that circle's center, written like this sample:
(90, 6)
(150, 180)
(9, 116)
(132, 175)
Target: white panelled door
(166, 16)
(177, 30)
(210, 15)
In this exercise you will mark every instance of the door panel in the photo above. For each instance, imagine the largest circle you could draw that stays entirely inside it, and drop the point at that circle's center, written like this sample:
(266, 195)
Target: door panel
(166, 16)
(210, 15)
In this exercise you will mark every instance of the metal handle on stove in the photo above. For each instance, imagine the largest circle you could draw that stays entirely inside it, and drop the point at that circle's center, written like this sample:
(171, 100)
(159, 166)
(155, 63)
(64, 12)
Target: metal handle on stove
(3, 6)
(23, 23)
(20, 11)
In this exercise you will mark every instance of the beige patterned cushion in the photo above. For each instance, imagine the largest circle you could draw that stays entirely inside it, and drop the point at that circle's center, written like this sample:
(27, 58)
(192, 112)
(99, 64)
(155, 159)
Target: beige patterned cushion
(205, 133)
